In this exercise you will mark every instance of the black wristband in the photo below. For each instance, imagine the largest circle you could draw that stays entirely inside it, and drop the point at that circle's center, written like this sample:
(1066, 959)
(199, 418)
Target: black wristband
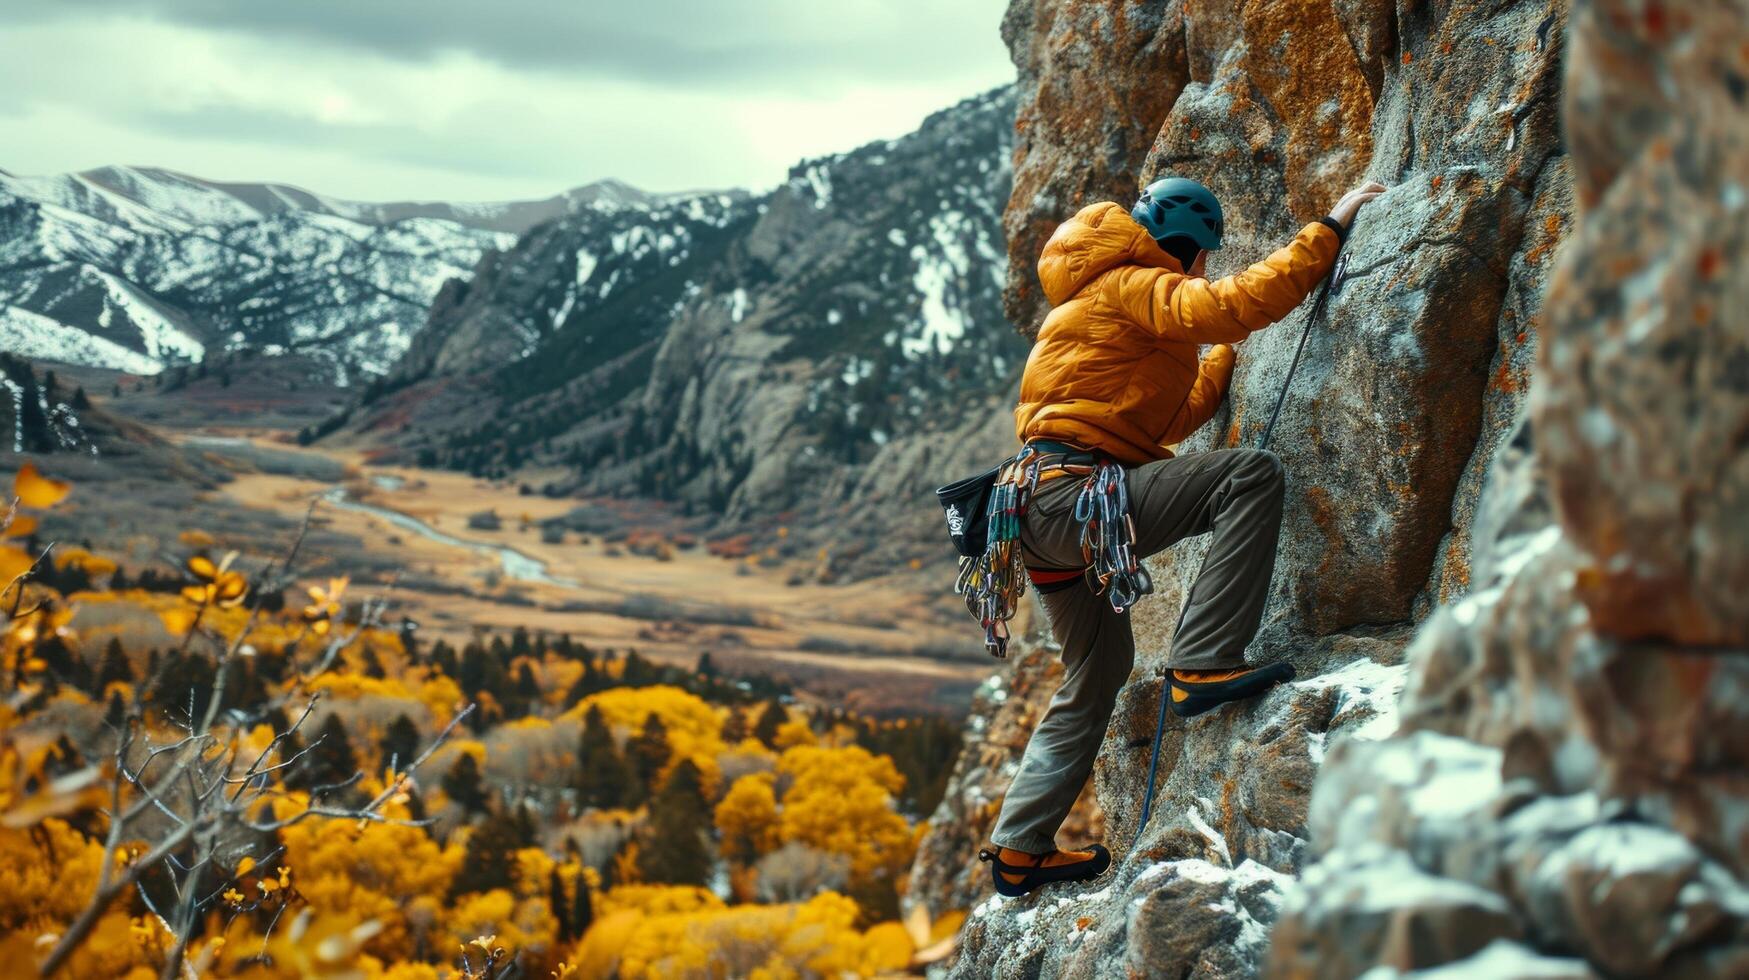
(1335, 226)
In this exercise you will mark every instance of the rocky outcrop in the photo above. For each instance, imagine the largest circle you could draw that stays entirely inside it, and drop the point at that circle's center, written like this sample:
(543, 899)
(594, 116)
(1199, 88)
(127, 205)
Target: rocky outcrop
(1575, 742)
(1560, 789)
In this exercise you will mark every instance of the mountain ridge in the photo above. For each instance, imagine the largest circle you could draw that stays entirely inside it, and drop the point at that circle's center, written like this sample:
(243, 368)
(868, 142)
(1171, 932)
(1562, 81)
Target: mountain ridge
(135, 268)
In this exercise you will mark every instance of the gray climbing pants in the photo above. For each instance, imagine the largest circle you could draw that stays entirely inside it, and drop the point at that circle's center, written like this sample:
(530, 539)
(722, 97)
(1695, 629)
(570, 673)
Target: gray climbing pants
(1234, 493)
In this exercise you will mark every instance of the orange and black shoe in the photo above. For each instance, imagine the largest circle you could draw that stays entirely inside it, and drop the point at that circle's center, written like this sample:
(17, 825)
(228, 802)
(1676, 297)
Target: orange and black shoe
(1196, 691)
(1016, 872)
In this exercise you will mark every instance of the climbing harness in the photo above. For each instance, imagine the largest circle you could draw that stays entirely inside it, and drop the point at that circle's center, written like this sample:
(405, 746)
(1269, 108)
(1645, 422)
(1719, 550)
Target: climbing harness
(1108, 538)
(1332, 284)
(993, 574)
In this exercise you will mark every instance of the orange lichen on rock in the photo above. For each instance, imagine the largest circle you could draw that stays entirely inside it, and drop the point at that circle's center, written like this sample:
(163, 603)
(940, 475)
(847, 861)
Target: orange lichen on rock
(1312, 65)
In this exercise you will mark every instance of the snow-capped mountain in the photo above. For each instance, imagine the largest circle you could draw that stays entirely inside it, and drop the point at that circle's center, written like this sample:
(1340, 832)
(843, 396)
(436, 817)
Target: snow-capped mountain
(134, 268)
(817, 344)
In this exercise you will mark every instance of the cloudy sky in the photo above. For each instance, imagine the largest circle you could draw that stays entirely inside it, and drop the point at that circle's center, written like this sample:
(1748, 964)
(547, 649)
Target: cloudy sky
(479, 99)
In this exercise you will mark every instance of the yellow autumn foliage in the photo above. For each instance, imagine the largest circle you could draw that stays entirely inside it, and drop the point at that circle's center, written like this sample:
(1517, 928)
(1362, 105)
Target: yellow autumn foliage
(523, 924)
(371, 898)
(694, 726)
(46, 872)
(656, 899)
(840, 801)
(747, 817)
(352, 686)
(793, 733)
(814, 938)
(368, 871)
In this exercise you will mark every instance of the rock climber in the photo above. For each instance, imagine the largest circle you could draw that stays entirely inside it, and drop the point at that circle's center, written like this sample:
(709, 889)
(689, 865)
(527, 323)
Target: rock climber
(1114, 378)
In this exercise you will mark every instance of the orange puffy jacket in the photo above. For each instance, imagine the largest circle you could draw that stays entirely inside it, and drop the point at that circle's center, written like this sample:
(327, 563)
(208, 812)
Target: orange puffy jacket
(1115, 367)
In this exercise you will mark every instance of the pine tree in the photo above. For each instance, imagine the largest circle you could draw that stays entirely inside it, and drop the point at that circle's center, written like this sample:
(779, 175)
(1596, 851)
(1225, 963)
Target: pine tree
(410, 639)
(582, 909)
(184, 685)
(673, 848)
(706, 668)
(770, 720)
(114, 668)
(116, 714)
(735, 729)
(400, 743)
(527, 689)
(603, 779)
(490, 858)
(463, 784)
(639, 672)
(330, 759)
(649, 752)
(558, 906)
(443, 658)
(483, 670)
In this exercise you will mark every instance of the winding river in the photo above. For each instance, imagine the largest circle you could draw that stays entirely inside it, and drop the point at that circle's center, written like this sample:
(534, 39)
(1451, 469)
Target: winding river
(516, 565)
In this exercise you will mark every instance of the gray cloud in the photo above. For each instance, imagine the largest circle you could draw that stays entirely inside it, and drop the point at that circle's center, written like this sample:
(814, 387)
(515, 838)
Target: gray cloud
(386, 99)
(751, 44)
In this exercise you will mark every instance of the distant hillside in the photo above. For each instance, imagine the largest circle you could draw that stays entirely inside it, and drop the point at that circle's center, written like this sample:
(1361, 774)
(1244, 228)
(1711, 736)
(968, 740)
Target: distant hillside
(134, 268)
(745, 357)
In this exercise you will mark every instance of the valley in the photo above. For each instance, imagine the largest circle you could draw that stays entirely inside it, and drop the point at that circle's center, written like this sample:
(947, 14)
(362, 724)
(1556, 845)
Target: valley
(640, 578)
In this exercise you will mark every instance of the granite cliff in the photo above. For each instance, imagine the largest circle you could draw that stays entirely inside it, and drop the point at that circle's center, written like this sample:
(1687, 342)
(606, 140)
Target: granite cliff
(1512, 565)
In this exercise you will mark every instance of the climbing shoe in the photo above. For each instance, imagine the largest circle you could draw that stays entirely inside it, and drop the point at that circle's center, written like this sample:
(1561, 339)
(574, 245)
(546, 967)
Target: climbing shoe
(1016, 872)
(1193, 692)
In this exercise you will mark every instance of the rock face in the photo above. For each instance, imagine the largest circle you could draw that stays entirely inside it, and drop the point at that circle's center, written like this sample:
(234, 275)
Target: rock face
(1561, 790)
(1583, 707)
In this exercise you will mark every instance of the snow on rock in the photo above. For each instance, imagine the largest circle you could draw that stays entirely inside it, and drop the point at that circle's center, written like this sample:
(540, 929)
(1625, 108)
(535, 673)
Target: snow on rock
(36, 336)
(166, 266)
(1501, 959)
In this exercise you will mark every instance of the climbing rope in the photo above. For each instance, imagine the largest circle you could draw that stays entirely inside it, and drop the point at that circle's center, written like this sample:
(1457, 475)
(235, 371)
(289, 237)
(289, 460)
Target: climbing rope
(1331, 284)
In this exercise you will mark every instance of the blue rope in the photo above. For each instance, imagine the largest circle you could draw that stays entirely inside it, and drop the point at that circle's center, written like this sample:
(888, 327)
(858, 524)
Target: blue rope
(1331, 284)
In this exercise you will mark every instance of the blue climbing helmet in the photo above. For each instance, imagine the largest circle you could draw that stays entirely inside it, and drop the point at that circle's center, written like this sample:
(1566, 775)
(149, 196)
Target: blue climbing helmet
(1174, 206)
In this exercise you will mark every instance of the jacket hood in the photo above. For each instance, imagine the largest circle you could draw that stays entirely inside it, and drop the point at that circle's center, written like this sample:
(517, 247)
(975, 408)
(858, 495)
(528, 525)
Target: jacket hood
(1099, 238)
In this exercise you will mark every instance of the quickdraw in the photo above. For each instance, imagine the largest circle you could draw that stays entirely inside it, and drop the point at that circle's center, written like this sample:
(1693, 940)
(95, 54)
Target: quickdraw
(1108, 538)
(995, 581)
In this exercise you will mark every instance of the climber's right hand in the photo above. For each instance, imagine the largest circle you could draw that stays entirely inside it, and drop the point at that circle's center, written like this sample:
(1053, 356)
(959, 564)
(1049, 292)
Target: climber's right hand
(1344, 211)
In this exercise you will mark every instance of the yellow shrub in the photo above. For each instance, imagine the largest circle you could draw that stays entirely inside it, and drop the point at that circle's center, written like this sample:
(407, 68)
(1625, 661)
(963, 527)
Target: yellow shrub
(793, 733)
(525, 925)
(840, 801)
(442, 696)
(817, 938)
(747, 817)
(350, 686)
(886, 948)
(369, 872)
(656, 899)
(47, 872)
